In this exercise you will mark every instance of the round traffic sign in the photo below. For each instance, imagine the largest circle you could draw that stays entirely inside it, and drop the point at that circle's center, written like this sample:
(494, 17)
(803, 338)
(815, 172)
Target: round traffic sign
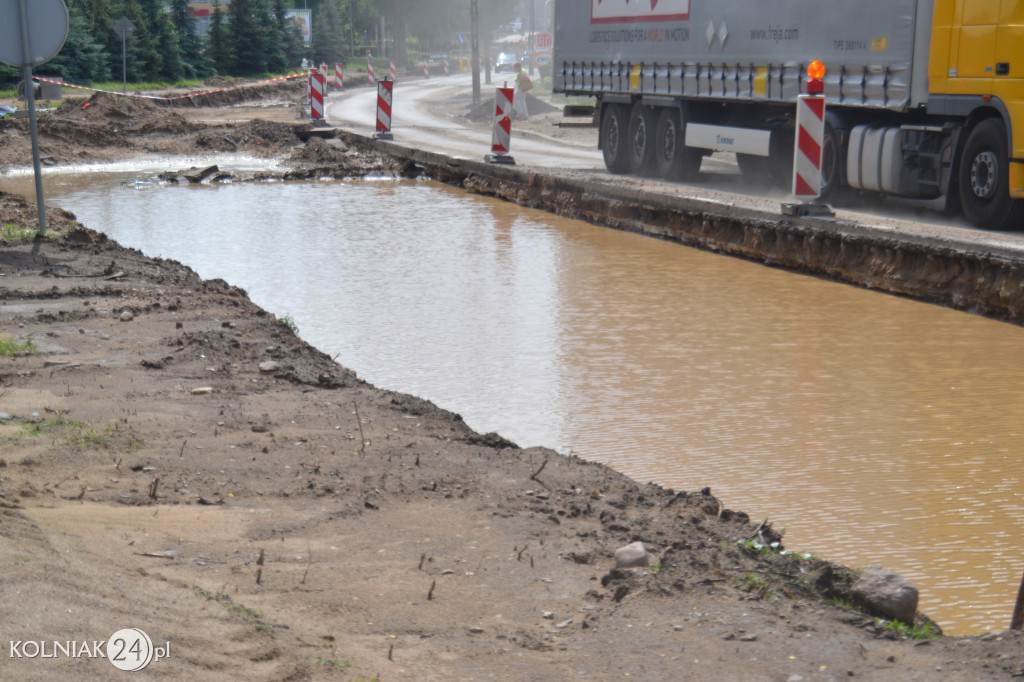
(47, 30)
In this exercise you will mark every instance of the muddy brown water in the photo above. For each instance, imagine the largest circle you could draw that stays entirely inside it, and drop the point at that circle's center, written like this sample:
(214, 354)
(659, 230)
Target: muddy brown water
(874, 429)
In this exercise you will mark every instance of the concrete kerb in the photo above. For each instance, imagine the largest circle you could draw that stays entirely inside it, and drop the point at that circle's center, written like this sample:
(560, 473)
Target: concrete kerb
(972, 272)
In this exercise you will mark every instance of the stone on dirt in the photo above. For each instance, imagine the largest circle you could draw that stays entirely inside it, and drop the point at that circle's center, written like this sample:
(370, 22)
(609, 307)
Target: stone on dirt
(884, 593)
(631, 556)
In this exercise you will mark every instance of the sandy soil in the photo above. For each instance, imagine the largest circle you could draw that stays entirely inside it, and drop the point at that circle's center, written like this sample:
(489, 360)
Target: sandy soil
(175, 459)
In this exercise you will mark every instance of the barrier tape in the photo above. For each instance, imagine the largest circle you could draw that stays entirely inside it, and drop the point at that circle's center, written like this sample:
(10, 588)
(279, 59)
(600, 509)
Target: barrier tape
(169, 99)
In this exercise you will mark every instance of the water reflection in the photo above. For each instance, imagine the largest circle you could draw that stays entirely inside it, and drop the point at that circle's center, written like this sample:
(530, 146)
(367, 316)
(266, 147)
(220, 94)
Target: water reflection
(874, 429)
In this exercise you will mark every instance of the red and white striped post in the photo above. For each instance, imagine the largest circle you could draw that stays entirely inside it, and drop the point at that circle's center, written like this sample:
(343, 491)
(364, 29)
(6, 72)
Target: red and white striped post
(810, 125)
(446, 72)
(501, 135)
(807, 149)
(369, 68)
(339, 76)
(309, 83)
(426, 68)
(316, 101)
(385, 97)
(393, 72)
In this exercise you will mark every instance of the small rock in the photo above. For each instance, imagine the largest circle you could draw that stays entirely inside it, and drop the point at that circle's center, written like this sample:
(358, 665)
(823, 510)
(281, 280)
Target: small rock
(269, 366)
(549, 615)
(127, 316)
(202, 390)
(476, 631)
(630, 556)
(564, 624)
(748, 638)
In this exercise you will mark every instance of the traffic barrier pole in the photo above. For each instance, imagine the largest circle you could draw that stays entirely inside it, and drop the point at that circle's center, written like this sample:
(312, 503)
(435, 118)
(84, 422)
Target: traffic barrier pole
(426, 68)
(309, 83)
(339, 76)
(807, 150)
(385, 92)
(501, 134)
(316, 103)
(369, 68)
(446, 67)
(393, 71)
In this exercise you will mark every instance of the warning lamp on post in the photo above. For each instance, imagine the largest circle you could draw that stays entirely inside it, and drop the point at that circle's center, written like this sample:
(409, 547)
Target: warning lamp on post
(815, 74)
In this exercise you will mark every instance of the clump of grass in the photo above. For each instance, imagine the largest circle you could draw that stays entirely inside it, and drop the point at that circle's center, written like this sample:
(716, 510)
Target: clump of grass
(248, 614)
(62, 429)
(288, 322)
(10, 347)
(915, 632)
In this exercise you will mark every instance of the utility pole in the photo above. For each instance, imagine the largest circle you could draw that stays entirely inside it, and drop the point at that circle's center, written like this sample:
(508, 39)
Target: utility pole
(351, 28)
(474, 55)
(533, 36)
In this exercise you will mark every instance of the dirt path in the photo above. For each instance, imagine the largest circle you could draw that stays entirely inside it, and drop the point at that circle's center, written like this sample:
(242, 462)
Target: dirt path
(174, 459)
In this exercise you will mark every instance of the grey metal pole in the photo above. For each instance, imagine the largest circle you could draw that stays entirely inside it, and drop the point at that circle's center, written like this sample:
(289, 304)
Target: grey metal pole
(474, 51)
(124, 64)
(30, 99)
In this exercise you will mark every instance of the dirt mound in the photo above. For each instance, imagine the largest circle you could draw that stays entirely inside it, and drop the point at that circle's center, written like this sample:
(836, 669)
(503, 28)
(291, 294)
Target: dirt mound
(18, 214)
(318, 151)
(218, 82)
(279, 90)
(484, 112)
(109, 106)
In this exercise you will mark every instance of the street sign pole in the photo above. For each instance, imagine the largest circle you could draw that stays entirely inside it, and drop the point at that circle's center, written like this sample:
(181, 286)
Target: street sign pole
(30, 99)
(35, 36)
(124, 28)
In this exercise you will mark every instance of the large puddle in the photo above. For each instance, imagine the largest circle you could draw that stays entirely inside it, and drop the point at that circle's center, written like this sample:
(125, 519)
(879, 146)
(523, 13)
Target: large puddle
(874, 429)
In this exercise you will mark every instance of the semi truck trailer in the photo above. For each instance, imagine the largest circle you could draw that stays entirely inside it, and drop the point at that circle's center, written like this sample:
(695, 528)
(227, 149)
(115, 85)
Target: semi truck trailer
(924, 98)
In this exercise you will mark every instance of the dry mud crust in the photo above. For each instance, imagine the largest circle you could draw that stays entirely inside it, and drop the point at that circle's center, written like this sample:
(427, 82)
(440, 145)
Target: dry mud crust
(176, 460)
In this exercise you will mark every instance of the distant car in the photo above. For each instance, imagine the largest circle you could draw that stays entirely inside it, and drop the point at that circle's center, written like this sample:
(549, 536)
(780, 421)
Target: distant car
(504, 62)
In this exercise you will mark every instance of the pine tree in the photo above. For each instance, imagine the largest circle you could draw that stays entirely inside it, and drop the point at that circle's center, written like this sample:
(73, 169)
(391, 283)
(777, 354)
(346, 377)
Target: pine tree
(328, 33)
(81, 59)
(219, 42)
(192, 52)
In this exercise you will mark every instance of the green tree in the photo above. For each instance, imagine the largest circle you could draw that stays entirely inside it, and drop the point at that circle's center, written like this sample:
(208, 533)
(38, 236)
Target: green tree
(196, 62)
(219, 42)
(329, 43)
(254, 36)
(82, 59)
(290, 36)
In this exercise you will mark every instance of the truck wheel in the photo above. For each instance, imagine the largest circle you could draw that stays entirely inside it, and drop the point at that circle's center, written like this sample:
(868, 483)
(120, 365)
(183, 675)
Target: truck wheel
(640, 144)
(614, 131)
(673, 159)
(984, 179)
(833, 162)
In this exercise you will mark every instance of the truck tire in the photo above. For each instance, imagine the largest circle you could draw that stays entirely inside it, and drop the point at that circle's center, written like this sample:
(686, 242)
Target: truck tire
(833, 160)
(984, 179)
(640, 144)
(673, 160)
(614, 131)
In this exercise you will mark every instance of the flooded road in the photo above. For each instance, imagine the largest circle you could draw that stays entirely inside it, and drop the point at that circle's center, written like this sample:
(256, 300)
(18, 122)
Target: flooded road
(873, 429)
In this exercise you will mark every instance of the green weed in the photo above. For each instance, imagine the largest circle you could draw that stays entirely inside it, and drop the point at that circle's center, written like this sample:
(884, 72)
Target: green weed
(288, 322)
(9, 347)
(247, 613)
(915, 632)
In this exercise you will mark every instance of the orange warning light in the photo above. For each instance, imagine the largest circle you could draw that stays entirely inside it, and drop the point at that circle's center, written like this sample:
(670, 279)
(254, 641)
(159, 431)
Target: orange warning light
(815, 72)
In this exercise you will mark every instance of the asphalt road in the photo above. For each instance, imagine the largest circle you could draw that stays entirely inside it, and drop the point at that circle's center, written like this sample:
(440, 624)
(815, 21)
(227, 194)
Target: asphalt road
(430, 114)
